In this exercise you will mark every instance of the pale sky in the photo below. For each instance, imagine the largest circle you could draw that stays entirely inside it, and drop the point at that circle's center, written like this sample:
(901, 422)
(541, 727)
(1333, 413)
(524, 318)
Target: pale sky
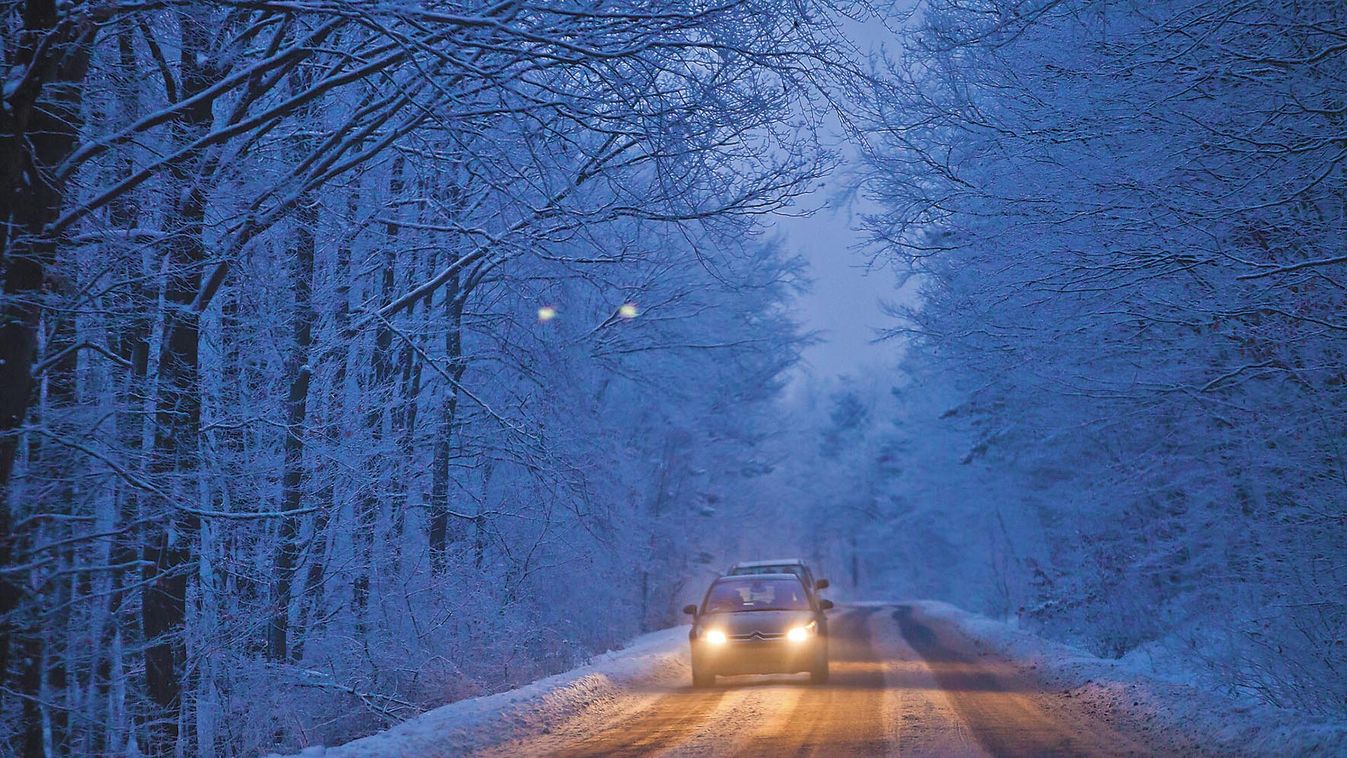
(844, 304)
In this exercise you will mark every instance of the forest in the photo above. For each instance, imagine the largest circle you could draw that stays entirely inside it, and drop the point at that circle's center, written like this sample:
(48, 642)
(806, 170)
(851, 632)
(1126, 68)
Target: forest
(359, 357)
(1120, 415)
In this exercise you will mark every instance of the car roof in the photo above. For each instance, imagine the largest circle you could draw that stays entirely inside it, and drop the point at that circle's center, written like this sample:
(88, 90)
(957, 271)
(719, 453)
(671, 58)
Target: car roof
(755, 578)
(756, 564)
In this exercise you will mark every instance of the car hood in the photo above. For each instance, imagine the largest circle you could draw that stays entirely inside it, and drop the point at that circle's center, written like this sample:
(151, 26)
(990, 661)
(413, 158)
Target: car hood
(762, 622)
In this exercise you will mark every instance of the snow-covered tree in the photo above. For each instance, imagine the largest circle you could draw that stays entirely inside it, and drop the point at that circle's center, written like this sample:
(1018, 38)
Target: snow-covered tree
(1128, 220)
(342, 345)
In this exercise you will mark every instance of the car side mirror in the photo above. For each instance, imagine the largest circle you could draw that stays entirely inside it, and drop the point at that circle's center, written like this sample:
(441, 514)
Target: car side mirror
(824, 605)
(690, 610)
(821, 584)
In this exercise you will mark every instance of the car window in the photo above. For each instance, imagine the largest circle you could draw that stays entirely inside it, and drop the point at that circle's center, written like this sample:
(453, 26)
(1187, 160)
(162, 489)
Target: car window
(750, 570)
(757, 595)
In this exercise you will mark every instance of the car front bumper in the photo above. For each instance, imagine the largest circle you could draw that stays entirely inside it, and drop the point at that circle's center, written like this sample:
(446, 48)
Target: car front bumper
(754, 656)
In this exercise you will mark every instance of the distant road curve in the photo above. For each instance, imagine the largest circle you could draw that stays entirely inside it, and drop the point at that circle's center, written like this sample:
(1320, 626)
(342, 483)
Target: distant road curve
(903, 683)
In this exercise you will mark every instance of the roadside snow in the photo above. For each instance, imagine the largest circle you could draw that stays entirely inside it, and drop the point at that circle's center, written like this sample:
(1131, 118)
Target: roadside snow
(1129, 692)
(476, 723)
(1129, 689)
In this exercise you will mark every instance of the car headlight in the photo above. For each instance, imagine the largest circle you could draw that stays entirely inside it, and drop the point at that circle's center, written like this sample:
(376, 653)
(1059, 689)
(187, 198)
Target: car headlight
(802, 633)
(715, 637)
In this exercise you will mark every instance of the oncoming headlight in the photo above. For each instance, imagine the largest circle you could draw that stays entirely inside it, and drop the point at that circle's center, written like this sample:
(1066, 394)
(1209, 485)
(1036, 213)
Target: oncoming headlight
(715, 637)
(801, 633)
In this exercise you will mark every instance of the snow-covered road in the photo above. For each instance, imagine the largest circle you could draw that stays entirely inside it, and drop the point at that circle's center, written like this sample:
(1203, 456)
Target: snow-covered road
(917, 679)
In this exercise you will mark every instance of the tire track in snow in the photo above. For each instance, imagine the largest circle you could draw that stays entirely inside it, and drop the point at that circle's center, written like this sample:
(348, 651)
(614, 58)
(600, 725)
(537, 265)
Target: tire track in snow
(845, 716)
(1007, 712)
(669, 721)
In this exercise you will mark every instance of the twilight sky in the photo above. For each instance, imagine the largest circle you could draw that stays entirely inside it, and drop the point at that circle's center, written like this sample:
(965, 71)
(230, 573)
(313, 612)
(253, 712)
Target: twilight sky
(844, 304)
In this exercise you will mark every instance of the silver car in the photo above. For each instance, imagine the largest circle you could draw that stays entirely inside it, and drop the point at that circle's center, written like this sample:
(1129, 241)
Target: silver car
(758, 624)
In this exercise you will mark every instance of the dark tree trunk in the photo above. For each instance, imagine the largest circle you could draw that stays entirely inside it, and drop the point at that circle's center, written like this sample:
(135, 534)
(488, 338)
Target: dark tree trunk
(58, 393)
(404, 430)
(335, 413)
(169, 551)
(380, 376)
(38, 128)
(132, 340)
(30, 683)
(297, 405)
(444, 447)
(404, 422)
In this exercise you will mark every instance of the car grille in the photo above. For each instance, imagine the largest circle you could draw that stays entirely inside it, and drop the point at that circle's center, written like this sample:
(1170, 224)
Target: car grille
(757, 636)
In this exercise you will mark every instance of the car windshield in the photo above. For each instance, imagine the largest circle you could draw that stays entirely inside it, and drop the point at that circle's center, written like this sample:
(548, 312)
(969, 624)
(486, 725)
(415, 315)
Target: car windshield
(757, 595)
(790, 569)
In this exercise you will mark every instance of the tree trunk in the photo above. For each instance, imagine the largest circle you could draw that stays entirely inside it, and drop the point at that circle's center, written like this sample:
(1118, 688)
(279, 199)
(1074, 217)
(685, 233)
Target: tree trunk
(404, 419)
(380, 375)
(57, 395)
(131, 339)
(297, 404)
(440, 477)
(169, 549)
(38, 128)
(335, 420)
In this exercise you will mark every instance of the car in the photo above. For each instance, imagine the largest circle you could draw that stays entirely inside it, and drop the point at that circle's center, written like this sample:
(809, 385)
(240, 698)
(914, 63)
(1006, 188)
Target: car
(780, 566)
(758, 624)
(794, 566)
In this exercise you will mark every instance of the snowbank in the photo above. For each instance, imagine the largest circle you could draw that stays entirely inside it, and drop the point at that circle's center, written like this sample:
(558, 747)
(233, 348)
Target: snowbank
(1126, 689)
(467, 725)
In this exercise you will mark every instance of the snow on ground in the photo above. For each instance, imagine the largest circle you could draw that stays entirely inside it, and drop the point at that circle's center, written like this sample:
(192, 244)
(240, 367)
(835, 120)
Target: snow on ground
(1126, 691)
(649, 663)
(1132, 690)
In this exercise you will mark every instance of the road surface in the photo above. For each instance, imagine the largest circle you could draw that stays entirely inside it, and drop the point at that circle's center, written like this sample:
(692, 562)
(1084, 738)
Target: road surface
(902, 683)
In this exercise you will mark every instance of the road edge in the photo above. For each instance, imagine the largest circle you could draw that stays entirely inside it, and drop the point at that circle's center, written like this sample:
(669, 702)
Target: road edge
(1152, 706)
(473, 724)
